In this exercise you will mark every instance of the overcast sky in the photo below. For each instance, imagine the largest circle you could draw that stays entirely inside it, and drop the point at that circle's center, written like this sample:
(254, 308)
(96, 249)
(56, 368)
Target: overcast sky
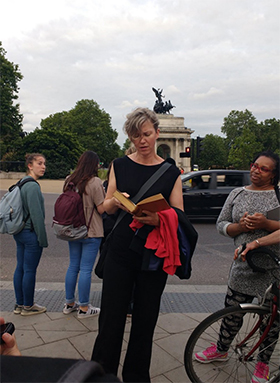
(209, 56)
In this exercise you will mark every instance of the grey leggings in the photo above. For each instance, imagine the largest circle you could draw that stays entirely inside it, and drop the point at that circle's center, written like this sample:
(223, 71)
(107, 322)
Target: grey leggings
(232, 324)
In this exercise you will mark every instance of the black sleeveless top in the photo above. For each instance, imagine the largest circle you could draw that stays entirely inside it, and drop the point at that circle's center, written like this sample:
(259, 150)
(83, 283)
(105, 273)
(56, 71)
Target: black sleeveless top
(130, 176)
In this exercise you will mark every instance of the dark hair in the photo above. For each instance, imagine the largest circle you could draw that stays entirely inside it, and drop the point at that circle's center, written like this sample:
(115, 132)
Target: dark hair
(87, 167)
(273, 156)
(30, 157)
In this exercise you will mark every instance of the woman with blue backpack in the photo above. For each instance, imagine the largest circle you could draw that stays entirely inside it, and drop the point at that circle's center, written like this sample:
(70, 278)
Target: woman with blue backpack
(83, 251)
(32, 239)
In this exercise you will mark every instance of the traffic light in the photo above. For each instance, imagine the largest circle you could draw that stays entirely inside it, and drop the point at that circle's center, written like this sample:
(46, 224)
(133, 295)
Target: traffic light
(186, 153)
(199, 146)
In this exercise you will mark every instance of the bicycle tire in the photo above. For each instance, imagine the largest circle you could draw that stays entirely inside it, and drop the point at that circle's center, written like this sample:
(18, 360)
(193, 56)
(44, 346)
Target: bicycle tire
(233, 370)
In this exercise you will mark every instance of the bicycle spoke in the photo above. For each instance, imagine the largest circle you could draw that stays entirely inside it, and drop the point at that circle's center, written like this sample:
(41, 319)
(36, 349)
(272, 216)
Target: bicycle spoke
(237, 368)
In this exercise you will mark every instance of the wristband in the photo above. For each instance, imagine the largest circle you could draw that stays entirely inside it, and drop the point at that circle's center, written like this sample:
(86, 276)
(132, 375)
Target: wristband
(256, 240)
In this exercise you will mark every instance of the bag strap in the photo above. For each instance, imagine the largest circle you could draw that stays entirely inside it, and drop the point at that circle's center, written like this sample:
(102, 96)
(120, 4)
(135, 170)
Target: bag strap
(20, 184)
(277, 192)
(147, 185)
(90, 218)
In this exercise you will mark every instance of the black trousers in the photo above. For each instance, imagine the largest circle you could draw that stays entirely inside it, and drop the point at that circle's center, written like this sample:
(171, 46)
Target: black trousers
(118, 285)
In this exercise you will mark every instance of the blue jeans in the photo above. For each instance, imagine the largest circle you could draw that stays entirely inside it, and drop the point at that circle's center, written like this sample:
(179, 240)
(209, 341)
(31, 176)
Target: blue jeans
(28, 257)
(83, 253)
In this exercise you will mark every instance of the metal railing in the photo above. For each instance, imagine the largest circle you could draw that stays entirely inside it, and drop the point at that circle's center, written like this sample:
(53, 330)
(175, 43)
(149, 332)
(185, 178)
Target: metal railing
(12, 166)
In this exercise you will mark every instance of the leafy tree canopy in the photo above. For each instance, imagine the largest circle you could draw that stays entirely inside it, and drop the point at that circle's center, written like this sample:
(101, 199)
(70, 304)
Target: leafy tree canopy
(268, 134)
(214, 152)
(60, 147)
(245, 137)
(92, 127)
(244, 149)
(10, 117)
(236, 122)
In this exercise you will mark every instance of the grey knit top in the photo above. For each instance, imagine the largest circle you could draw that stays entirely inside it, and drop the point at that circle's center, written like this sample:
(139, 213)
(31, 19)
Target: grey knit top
(241, 276)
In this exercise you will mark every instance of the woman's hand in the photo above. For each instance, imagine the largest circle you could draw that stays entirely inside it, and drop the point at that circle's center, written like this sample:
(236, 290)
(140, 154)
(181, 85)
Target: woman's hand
(242, 223)
(119, 205)
(255, 221)
(249, 246)
(10, 346)
(149, 218)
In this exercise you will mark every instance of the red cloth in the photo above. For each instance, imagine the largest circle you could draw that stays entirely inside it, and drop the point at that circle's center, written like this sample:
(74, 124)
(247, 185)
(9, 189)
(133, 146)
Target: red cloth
(164, 239)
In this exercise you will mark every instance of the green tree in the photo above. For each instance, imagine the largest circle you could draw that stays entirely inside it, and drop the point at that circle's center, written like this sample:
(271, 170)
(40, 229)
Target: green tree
(235, 123)
(92, 127)
(60, 147)
(244, 149)
(10, 116)
(245, 137)
(214, 152)
(269, 135)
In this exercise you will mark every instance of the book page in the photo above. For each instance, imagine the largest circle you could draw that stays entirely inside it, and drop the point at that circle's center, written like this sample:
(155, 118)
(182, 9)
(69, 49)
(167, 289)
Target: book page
(153, 204)
(153, 198)
(124, 201)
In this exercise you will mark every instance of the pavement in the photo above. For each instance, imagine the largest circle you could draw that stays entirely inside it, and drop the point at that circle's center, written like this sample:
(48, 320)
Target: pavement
(54, 334)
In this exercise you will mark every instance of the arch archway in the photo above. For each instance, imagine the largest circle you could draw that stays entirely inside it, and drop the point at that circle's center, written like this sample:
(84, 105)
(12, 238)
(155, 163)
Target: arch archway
(173, 139)
(164, 151)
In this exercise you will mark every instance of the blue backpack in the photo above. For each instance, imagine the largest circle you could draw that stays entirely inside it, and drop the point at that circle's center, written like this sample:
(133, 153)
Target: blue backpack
(12, 220)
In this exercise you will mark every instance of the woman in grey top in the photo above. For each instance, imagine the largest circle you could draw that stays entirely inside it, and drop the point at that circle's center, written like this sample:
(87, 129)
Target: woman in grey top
(244, 218)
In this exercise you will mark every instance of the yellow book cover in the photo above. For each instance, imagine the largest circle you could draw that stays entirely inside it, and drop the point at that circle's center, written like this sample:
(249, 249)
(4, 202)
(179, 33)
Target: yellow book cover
(154, 203)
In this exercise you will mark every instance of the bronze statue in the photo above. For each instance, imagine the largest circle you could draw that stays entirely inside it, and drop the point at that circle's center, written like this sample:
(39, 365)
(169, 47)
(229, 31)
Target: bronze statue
(160, 107)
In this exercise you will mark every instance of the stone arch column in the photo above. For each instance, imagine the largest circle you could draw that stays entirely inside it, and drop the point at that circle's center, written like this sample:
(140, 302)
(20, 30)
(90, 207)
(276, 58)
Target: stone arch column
(175, 136)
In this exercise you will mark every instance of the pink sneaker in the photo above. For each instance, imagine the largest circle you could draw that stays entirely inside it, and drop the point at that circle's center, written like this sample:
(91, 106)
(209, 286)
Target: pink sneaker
(211, 355)
(261, 374)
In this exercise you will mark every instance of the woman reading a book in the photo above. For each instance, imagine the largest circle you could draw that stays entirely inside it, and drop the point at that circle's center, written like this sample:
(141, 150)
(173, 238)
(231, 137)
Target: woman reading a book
(123, 269)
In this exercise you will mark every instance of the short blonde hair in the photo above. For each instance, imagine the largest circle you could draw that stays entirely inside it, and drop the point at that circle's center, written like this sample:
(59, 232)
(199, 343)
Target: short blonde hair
(137, 118)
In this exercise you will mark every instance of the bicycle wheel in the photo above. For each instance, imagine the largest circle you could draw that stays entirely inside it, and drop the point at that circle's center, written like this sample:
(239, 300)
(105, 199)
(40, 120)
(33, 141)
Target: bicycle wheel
(235, 369)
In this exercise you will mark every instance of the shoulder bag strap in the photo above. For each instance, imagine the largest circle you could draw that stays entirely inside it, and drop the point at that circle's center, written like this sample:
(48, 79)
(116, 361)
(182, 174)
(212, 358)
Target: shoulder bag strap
(240, 191)
(147, 185)
(20, 183)
(90, 218)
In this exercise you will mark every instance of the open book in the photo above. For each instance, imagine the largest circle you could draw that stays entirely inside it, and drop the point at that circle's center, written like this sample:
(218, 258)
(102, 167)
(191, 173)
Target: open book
(154, 203)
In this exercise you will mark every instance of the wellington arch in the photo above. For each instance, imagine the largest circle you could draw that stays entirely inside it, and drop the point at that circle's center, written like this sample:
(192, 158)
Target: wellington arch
(173, 139)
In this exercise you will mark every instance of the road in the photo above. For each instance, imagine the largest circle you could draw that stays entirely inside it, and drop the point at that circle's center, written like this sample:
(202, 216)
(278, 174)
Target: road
(211, 260)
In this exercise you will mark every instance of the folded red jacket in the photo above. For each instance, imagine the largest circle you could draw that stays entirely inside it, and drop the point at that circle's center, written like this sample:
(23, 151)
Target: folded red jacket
(164, 239)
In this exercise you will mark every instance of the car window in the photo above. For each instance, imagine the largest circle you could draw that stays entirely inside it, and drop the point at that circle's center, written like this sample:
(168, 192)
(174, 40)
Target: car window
(226, 180)
(197, 182)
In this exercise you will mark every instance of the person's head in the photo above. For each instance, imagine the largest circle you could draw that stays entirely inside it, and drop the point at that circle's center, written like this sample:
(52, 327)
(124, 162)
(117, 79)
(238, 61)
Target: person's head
(142, 129)
(265, 169)
(136, 119)
(35, 164)
(196, 182)
(87, 167)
